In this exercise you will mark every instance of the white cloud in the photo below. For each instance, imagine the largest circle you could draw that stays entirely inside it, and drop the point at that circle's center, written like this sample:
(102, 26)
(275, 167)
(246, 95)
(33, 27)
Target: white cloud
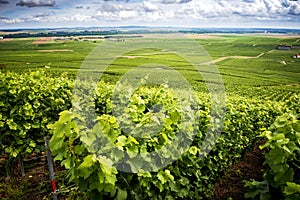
(175, 1)
(145, 12)
(294, 9)
(127, 14)
(81, 18)
(259, 9)
(11, 21)
(142, 11)
(34, 18)
(109, 11)
(44, 15)
(149, 7)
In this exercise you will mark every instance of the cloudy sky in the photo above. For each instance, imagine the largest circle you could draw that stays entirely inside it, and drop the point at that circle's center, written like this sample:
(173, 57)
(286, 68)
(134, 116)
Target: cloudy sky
(180, 13)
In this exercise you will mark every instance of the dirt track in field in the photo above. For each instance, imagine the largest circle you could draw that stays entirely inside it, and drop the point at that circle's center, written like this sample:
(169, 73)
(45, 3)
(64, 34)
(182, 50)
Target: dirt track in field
(130, 57)
(237, 57)
(56, 50)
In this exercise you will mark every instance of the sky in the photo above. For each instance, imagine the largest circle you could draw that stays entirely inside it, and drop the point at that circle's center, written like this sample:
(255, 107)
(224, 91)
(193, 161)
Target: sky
(178, 13)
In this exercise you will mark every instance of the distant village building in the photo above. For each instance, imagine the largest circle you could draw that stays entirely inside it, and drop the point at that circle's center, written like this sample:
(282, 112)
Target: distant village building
(296, 56)
(284, 47)
(1, 38)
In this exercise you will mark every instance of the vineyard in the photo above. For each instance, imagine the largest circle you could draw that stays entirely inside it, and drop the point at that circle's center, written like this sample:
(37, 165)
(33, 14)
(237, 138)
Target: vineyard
(115, 155)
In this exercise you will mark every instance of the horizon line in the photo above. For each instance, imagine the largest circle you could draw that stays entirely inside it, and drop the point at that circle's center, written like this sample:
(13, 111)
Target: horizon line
(142, 26)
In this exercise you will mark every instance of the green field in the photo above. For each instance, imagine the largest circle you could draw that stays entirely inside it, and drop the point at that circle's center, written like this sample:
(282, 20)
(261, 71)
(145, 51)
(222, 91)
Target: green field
(23, 54)
(249, 65)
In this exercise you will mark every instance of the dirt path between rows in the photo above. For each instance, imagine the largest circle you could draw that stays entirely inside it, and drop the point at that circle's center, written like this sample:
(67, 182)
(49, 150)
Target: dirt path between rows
(249, 167)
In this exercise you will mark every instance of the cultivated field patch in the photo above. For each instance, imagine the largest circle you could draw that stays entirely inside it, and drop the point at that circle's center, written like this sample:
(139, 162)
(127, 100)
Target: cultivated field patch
(42, 40)
(6, 40)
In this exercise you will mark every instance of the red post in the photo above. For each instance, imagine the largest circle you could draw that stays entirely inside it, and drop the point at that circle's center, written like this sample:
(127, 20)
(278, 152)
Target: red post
(51, 169)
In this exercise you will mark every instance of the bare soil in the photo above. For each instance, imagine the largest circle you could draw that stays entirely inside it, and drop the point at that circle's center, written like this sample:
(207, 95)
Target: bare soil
(6, 40)
(34, 185)
(42, 40)
(250, 167)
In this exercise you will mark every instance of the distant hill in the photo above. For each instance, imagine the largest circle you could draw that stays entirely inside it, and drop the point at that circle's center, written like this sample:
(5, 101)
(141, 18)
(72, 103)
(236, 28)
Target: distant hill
(80, 31)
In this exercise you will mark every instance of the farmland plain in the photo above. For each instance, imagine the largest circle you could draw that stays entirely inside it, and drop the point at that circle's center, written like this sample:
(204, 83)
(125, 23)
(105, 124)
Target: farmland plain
(250, 65)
